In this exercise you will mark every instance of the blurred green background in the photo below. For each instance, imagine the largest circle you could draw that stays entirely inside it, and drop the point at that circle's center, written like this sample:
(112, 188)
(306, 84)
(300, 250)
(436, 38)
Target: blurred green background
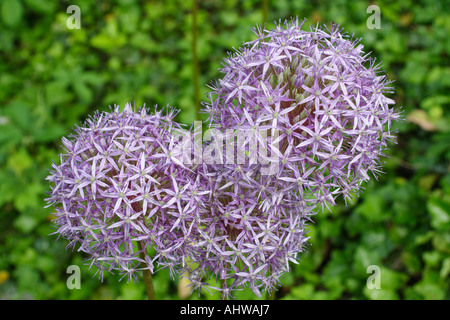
(52, 77)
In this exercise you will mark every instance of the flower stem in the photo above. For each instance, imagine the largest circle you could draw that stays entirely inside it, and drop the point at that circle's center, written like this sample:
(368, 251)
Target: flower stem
(195, 59)
(147, 275)
(265, 11)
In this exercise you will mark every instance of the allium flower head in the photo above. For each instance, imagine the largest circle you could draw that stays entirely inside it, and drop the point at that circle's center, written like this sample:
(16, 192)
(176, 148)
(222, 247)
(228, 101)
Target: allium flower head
(323, 96)
(119, 190)
(322, 103)
(249, 232)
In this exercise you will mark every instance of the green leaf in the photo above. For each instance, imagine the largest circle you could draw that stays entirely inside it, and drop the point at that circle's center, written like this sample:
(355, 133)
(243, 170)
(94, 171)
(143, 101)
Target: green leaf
(303, 291)
(41, 6)
(83, 92)
(445, 270)
(20, 161)
(50, 133)
(132, 291)
(27, 278)
(390, 279)
(143, 41)
(11, 12)
(9, 136)
(445, 183)
(440, 214)
(432, 258)
(441, 242)
(57, 93)
(335, 286)
(424, 238)
(20, 114)
(429, 289)
(25, 223)
(45, 263)
(372, 207)
(412, 262)
(29, 197)
(364, 258)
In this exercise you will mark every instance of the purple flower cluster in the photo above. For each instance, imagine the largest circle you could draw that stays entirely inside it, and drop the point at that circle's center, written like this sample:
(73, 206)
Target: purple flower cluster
(312, 122)
(322, 102)
(119, 191)
(323, 97)
(250, 231)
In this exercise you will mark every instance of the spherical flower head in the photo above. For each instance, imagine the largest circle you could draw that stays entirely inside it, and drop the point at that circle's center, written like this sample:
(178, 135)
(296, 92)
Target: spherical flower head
(120, 190)
(322, 95)
(317, 104)
(249, 231)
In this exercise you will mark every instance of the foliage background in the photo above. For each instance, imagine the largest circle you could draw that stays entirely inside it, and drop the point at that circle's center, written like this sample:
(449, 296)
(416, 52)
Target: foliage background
(52, 77)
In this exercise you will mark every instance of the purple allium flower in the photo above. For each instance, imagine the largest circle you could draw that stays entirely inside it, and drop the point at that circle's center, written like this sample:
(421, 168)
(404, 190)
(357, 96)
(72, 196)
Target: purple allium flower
(322, 102)
(251, 225)
(249, 231)
(323, 96)
(119, 191)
